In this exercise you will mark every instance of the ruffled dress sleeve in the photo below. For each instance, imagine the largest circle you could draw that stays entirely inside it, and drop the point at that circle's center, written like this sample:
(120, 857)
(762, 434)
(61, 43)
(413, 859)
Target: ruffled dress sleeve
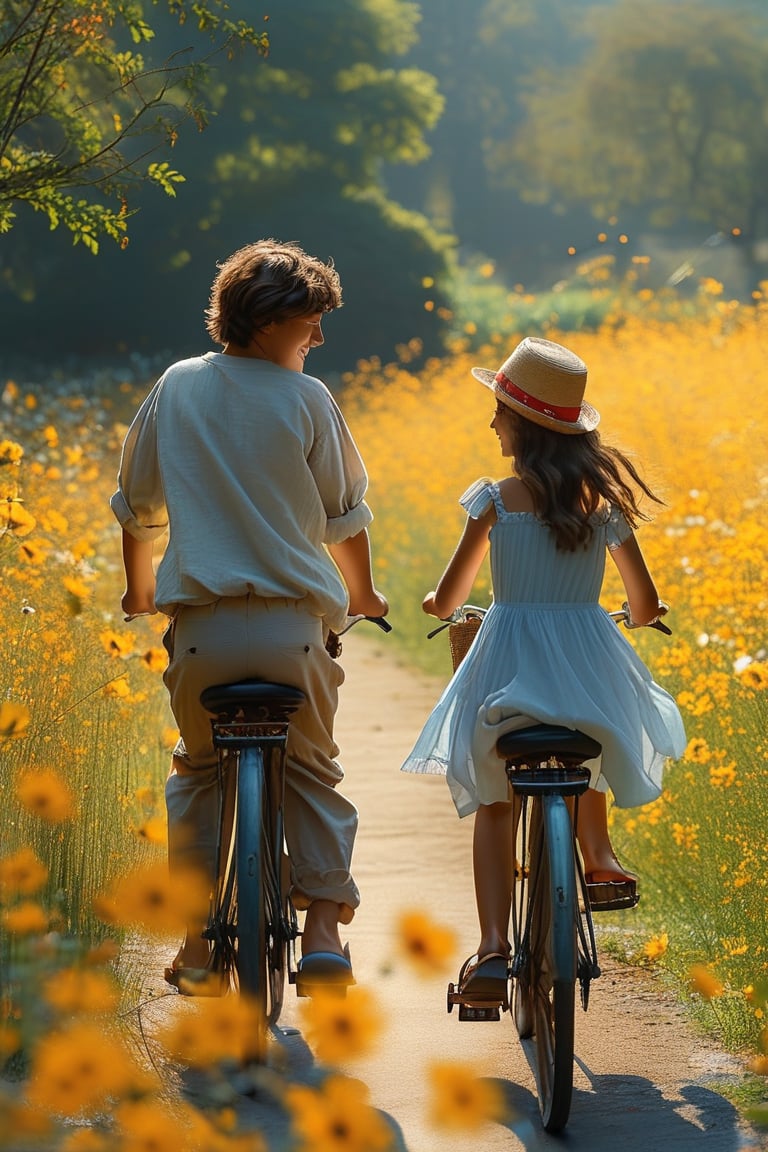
(478, 497)
(617, 530)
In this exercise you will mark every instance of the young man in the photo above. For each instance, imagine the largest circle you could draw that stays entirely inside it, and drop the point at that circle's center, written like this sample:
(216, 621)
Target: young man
(248, 465)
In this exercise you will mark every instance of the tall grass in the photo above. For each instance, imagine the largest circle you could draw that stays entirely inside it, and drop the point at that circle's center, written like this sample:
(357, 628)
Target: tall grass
(80, 712)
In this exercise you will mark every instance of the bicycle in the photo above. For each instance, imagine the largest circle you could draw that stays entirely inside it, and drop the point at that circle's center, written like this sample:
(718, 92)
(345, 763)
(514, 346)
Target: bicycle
(253, 925)
(553, 936)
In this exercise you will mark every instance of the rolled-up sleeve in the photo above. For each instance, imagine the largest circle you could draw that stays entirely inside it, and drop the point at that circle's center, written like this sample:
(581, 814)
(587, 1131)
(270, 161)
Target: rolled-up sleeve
(139, 502)
(341, 478)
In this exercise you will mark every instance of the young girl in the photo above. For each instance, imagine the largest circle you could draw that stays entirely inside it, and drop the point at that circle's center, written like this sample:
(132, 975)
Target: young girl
(546, 651)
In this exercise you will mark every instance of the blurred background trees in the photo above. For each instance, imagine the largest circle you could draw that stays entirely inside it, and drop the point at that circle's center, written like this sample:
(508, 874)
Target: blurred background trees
(441, 152)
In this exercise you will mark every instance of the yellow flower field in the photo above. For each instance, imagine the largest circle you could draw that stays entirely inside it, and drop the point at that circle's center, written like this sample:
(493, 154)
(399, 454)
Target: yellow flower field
(85, 731)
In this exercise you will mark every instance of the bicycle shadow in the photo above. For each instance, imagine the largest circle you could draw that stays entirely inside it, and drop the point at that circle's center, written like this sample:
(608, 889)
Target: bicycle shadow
(631, 1113)
(256, 1099)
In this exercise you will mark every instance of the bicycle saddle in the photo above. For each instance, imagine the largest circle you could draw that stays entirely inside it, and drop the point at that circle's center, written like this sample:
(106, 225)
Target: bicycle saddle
(542, 741)
(276, 699)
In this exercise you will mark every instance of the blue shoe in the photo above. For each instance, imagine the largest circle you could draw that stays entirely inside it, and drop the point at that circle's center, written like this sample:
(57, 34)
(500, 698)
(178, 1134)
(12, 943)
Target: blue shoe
(323, 971)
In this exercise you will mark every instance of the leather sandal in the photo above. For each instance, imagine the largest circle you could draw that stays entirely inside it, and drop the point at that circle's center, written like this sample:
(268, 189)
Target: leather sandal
(324, 971)
(484, 979)
(612, 894)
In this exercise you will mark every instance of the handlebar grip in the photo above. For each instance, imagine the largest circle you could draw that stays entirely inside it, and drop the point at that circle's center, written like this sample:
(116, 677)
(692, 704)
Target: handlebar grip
(380, 622)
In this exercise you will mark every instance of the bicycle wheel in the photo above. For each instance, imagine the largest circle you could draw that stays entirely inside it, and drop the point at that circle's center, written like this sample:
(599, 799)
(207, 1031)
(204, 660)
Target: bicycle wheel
(552, 969)
(251, 912)
(280, 924)
(522, 1002)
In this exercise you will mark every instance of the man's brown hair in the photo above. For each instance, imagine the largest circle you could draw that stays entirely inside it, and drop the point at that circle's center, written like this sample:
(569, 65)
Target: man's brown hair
(265, 282)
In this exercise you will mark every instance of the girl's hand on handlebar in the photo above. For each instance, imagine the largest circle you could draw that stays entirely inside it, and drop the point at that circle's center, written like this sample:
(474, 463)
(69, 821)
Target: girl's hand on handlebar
(428, 604)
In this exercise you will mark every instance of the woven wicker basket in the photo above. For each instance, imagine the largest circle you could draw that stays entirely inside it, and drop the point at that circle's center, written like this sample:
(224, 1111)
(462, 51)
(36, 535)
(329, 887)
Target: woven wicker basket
(460, 637)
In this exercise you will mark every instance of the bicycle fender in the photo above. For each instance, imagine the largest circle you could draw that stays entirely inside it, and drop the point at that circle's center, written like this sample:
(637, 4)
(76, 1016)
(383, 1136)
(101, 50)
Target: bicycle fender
(558, 831)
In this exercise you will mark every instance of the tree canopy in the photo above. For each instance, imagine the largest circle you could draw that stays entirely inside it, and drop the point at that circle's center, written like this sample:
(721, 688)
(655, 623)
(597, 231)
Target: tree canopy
(666, 110)
(85, 117)
(295, 149)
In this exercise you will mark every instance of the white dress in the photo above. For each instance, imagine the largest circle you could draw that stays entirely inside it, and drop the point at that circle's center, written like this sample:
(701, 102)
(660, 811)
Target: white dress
(547, 653)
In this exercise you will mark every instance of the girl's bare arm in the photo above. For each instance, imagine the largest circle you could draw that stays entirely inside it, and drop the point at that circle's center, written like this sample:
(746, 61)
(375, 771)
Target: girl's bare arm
(642, 595)
(456, 582)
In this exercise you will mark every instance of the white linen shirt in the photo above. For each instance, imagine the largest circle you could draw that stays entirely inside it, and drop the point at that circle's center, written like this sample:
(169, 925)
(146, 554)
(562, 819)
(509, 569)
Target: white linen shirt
(251, 469)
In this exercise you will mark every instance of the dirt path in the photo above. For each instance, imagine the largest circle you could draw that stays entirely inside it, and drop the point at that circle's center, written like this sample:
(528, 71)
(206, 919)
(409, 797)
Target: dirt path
(644, 1080)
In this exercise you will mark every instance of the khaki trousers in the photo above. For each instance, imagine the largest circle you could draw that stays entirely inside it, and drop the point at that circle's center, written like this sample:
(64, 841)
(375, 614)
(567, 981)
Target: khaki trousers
(250, 637)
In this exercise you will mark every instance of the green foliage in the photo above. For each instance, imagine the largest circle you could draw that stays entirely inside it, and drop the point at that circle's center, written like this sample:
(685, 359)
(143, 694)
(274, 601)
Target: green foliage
(665, 110)
(483, 305)
(80, 109)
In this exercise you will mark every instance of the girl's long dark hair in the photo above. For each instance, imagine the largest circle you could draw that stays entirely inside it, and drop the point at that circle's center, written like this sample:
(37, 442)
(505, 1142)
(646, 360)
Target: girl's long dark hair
(570, 478)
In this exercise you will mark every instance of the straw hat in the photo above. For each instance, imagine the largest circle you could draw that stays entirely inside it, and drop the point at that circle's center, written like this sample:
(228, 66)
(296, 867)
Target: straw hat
(544, 382)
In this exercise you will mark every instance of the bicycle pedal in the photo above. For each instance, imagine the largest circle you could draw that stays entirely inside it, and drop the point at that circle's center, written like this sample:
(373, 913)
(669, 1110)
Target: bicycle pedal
(476, 1013)
(474, 1009)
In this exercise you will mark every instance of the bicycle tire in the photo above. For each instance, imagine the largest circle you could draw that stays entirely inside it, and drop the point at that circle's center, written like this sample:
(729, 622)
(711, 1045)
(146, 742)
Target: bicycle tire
(279, 915)
(251, 912)
(522, 1002)
(552, 970)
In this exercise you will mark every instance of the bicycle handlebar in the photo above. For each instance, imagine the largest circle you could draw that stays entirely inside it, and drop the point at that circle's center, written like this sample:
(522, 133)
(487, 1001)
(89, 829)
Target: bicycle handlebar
(622, 616)
(379, 621)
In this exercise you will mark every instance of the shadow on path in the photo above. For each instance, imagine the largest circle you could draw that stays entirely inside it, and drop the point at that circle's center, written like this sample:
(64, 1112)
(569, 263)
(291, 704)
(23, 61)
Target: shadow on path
(630, 1113)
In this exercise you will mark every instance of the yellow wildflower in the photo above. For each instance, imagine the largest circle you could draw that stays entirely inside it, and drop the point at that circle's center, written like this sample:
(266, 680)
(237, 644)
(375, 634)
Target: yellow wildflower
(698, 751)
(15, 518)
(460, 1099)
(25, 919)
(116, 643)
(342, 1028)
(722, 775)
(686, 836)
(429, 946)
(656, 946)
(10, 452)
(704, 982)
(154, 830)
(118, 689)
(23, 872)
(149, 896)
(219, 1030)
(337, 1118)
(28, 1125)
(75, 991)
(156, 659)
(150, 1126)
(10, 1042)
(33, 552)
(755, 675)
(77, 587)
(78, 1069)
(14, 719)
(46, 795)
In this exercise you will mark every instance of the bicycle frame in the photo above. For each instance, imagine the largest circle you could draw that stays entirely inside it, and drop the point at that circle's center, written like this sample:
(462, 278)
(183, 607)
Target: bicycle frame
(553, 942)
(253, 925)
(553, 937)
